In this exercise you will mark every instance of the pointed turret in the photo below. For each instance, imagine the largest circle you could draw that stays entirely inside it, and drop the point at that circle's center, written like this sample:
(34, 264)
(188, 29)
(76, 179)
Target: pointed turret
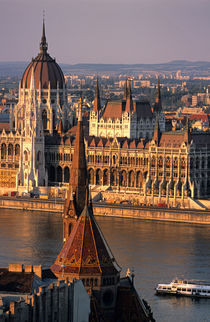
(158, 103)
(129, 100)
(43, 43)
(60, 127)
(97, 101)
(125, 90)
(32, 83)
(187, 134)
(157, 134)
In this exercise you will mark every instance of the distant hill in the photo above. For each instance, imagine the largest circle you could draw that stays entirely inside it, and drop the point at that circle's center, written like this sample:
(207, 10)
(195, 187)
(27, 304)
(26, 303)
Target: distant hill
(199, 67)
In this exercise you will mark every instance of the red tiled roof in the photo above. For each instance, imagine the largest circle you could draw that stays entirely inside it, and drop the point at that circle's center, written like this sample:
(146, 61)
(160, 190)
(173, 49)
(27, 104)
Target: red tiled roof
(172, 139)
(85, 251)
(113, 110)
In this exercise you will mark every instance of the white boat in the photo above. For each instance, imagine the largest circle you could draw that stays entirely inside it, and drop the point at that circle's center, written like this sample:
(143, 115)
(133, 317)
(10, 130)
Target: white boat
(190, 288)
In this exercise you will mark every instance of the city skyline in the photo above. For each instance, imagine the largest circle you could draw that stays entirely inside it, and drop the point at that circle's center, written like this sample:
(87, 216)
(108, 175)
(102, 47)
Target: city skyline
(118, 31)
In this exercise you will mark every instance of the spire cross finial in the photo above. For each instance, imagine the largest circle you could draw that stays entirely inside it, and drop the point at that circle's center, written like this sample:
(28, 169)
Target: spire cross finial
(43, 44)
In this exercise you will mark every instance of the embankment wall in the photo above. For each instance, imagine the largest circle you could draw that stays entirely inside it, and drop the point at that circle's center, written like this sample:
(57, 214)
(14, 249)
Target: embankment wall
(123, 211)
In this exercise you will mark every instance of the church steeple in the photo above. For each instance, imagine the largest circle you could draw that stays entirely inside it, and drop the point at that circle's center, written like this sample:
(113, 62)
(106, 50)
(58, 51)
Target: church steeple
(187, 134)
(129, 100)
(158, 102)
(97, 102)
(43, 43)
(125, 90)
(75, 201)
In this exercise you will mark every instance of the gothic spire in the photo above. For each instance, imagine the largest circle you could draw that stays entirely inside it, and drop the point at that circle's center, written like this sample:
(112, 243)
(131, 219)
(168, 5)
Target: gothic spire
(158, 103)
(129, 100)
(187, 134)
(125, 90)
(157, 134)
(97, 102)
(43, 43)
(78, 178)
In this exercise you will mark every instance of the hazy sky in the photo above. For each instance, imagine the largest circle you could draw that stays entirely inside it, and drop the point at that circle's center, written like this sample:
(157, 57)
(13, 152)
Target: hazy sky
(106, 31)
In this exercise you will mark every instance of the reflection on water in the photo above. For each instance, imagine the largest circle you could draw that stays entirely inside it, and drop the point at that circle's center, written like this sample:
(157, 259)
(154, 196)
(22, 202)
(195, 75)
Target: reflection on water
(157, 251)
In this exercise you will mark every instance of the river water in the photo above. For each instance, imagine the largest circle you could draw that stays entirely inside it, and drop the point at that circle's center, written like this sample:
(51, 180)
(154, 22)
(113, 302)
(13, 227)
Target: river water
(158, 252)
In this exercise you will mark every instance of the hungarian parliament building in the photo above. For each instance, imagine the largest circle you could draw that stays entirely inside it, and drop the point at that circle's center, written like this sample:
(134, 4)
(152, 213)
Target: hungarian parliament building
(128, 151)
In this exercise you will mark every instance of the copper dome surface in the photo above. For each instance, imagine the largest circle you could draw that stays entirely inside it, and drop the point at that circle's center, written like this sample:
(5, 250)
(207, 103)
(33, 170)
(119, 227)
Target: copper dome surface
(46, 70)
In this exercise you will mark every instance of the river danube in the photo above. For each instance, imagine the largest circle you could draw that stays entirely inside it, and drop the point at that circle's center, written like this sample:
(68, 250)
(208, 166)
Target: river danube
(158, 252)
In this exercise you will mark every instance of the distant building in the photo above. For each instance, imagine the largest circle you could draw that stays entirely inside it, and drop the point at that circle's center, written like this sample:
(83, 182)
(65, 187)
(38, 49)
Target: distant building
(125, 118)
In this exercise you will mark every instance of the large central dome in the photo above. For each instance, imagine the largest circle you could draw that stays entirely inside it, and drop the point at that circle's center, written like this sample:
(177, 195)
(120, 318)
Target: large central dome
(46, 70)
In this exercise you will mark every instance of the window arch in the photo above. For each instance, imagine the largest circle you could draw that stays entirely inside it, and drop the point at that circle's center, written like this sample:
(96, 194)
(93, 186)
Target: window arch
(44, 119)
(10, 150)
(26, 155)
(3, 151)
(66, 174)
(59, 174)
(91, 176)
(17, 149)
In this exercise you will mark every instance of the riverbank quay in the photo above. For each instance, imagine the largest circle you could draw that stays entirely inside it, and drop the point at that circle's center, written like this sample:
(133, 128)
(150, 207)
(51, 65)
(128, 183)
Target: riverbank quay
(191, 216)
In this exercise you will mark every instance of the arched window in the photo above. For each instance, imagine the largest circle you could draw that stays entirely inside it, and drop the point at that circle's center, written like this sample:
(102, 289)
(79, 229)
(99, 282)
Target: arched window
(168, 162)
(123, 178)
(10, 150)
(44, 119)
(3, 151)
(26, 155)
(175, 163)
(131, 179)
(153, 162)
(139, 180)
(39, 156)
(66, 174)
(17, 149)
(183, 163)
(105, 179)
(59, 174)
(51, 173)
(98, 177)
(91, 176)
(160, 162)
(114, 177)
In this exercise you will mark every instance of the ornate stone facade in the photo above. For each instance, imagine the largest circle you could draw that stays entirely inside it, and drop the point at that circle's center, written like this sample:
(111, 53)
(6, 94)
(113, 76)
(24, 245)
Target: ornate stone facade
(176, 166)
